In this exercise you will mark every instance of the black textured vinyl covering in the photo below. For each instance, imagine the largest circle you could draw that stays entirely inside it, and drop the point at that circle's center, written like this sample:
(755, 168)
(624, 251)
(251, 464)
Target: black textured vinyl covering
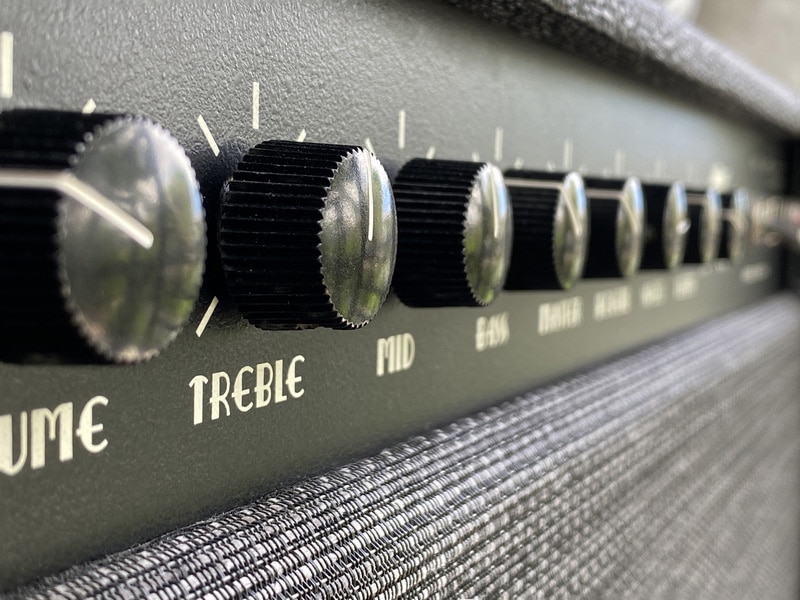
(641, 39)
(670, 473)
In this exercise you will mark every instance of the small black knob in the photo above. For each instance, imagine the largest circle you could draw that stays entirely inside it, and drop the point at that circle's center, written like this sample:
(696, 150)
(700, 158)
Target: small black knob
(736, 229)
(667, 226)
(705, 215)
(102, 236)
(551, 229)
(308, 235)
(455, 231)
(617, 215)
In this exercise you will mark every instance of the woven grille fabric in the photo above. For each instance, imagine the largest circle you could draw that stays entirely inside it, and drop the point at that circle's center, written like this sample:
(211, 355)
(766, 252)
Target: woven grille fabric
(640, 38)
(672, 472)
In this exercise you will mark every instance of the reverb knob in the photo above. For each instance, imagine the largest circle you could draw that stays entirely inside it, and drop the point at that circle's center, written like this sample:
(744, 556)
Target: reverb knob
(551, 229)
(308, 235)
(667, 226)
(455, 232)
(705, 214)
(102, 236)
(735, 234)
(617, 215)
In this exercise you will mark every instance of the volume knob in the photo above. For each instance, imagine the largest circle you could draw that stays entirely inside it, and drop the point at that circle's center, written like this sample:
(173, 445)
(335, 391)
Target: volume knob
(102, 236)
(455, 227)
(308, 235)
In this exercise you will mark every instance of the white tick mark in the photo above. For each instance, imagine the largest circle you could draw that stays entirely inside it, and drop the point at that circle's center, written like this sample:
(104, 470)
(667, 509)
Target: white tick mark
(401, 129)
(207, 132)
(567, 157)
(498, 144)
(6, 64)
(201, 327)
(256, 97)
(430, 153)
(89, 107)
(301, 137)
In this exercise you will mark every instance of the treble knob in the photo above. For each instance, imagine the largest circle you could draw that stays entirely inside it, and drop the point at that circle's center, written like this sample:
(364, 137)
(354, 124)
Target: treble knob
(102, 236)
(455, 232)
(308, 235)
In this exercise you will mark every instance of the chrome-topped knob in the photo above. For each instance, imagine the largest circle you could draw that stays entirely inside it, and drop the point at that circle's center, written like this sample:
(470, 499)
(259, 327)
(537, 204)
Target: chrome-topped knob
(551, 229)
(455, 231)
(617, 214)
(308, 235)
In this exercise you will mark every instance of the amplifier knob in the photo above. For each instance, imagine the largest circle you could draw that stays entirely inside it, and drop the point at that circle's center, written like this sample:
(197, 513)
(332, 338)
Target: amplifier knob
(705, 214)
(102, 236)
(617, 215)
(667, 226)
(308, 235)
(736, 230)
(551, 229)
(455, 232)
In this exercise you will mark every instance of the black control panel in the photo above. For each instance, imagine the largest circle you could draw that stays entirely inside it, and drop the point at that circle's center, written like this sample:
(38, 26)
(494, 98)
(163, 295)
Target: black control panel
(220, 282)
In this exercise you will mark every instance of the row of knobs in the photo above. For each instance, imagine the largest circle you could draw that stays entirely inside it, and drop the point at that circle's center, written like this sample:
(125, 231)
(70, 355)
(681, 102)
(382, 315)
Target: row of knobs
(103, 236)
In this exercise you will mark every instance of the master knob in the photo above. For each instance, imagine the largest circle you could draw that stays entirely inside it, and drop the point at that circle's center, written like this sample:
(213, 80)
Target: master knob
(102, 236)
(551, 229)
(705, 214)
(455, 232)
(617, 215)
(308, 235)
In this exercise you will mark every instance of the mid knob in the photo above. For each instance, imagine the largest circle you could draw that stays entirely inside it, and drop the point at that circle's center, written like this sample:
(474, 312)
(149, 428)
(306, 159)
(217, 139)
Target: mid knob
(455, 228)
(617, 220)
(308, 235)
(551, 229)
(705, 214)
(102, 236)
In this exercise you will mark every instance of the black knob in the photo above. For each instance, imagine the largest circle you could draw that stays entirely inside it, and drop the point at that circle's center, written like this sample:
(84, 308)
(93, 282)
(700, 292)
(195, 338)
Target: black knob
(617, 215)
(736, 229)
(102, 236)
(455, 231)
(705, 215)
(551, 229)
(667, 226)
(308, 235)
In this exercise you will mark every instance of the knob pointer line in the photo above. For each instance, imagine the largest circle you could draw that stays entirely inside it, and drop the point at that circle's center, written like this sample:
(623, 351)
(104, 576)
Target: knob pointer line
(69, 185)
(577, 229)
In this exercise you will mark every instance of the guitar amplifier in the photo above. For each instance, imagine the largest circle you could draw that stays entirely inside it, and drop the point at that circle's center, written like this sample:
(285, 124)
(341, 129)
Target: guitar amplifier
(365, 299)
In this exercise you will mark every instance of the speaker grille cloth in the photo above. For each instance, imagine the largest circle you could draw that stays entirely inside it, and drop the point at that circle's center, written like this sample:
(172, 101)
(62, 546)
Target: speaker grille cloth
(641, 38)
(669, 473)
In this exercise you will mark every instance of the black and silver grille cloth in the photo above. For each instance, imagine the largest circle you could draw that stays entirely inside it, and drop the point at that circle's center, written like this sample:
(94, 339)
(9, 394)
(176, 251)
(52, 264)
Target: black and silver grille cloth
(640, 38)
(673, 472)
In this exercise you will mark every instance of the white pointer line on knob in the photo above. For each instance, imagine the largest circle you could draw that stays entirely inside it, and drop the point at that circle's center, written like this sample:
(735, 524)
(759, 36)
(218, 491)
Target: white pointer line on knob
(495, 203)
(256, 96)
(201, 327)
(6, 64)
(370, 201)
(69, 185)
(207, 132)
